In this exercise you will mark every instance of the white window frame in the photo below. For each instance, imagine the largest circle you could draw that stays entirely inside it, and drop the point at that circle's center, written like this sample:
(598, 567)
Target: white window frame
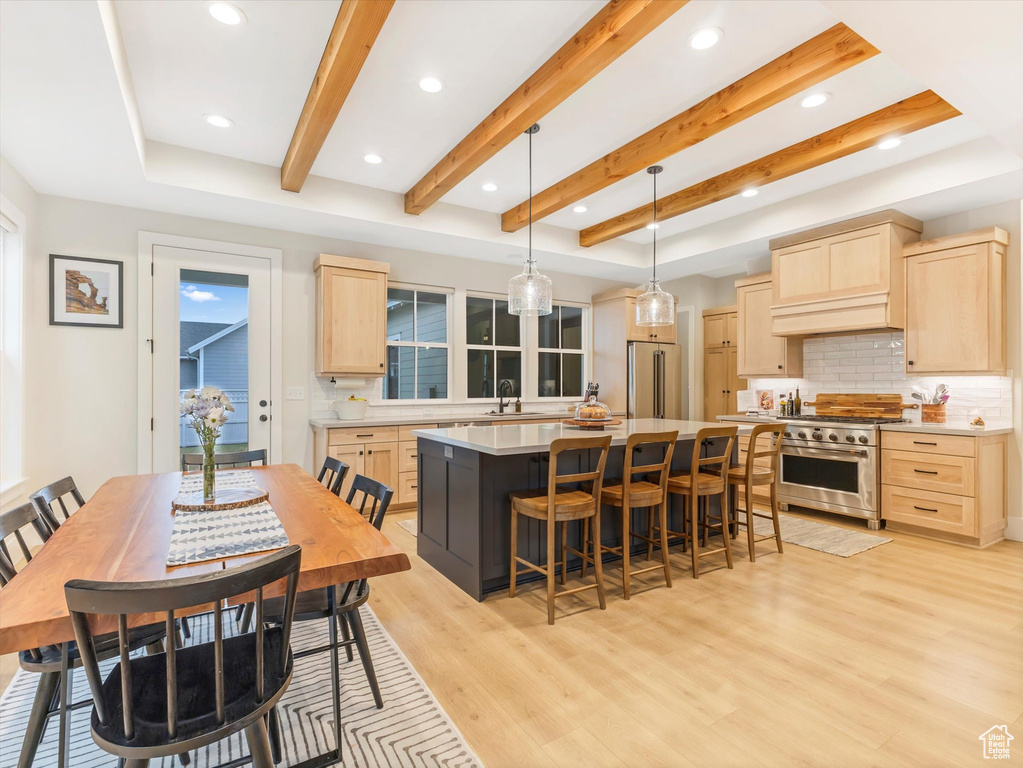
(522, 348)
(584, 352)
(12, 379)
(378, 398)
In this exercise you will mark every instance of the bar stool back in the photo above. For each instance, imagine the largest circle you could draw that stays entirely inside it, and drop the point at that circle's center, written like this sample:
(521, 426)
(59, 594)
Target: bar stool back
(627, 493)
(764, 473)
(562, 506)
(706, 477)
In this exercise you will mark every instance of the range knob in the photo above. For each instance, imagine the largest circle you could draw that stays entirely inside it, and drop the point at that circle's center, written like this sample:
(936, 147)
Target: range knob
(863, 438)
(801, 434)
(787, 433)
(833, 437)
(850, 439)
(817, 435)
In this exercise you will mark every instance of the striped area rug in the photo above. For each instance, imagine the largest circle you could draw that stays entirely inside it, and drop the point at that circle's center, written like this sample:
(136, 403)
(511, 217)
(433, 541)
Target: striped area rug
(411, 730)
(831, 539)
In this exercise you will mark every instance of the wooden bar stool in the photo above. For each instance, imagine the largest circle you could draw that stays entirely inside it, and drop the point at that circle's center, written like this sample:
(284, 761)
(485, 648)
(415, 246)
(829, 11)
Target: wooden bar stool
(626, 494)
(700, 483)
(562, 506)
(764, 473)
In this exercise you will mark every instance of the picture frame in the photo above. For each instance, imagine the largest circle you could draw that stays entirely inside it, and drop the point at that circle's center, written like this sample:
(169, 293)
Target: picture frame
(86, 292)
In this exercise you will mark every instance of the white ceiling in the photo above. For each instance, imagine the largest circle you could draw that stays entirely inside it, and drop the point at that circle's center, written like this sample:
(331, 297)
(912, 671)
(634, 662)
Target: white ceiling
(64, 118)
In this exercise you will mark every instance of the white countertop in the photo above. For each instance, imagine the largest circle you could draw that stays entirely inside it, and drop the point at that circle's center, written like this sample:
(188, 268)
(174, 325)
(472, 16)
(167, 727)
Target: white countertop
(510, 439)
(385, 421)
(959, 427)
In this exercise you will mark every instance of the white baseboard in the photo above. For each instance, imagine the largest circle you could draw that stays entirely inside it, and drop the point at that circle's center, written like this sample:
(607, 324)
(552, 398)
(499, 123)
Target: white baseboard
(1014, 529)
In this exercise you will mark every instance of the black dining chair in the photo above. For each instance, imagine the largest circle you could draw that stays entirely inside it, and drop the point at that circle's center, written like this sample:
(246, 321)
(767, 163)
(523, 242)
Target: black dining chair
(156, 706)
(192, 461)
(334, 470)
(46, 661)
(56, 493)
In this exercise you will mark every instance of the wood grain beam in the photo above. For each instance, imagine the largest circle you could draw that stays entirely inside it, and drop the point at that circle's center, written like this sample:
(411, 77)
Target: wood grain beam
(824, 56)
(611, 32)
(900, 118)
(355, 30)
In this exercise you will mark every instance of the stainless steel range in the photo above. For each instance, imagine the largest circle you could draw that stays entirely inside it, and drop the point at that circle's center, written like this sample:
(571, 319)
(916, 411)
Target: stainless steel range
(833, 464)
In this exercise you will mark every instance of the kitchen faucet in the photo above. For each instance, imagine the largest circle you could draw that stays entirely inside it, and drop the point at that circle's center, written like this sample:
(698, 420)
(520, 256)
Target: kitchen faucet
(505, 384)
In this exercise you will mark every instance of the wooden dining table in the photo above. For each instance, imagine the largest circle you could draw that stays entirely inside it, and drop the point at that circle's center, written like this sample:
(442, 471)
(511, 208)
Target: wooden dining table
(123, 534)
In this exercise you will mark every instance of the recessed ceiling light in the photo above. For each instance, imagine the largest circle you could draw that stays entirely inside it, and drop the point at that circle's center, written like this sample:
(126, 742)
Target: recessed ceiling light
(489, 187)
(373, 159)
(431, 84)
(226, 13)
(814, 100)
(706, 38)
(889, 144)
(750, 192)
(219, 121)
(652, 225)
(580, 209)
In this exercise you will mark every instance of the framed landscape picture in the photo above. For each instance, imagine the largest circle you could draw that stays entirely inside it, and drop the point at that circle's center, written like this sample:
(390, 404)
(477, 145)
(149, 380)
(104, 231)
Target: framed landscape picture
(86, 292)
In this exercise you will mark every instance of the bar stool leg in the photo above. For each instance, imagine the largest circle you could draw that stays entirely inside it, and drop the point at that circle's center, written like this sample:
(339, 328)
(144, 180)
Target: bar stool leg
(626, 539)
(774, 514)
(551, 531)
(598, 557)
(664, 538)
(514, 549)
(694, 514)
(726, 535)
(751, 541)
(586, 545)
(564, 552)
(706, 521)
(650, 532)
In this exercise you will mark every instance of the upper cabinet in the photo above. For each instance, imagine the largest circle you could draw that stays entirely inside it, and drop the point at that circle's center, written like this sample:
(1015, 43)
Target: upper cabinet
(842, 277)
(955, 303)
(720, 328)
(351, 316)
(760, 352)
(618, 307)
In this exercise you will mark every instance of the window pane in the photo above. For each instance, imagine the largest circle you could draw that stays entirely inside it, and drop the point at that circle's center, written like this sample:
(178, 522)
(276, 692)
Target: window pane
(547, 326)
(432, 317)
(433, 373)
(509, 368)
(507, 326)
(478, 320)
(572, 375)
(571, 328)
(549, 375)
(399, 314)
(400, 383)
(480, 372)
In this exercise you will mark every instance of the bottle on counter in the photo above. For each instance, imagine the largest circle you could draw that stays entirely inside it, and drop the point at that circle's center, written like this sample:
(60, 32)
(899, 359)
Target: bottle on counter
(798, 404)
(783, 406)
(792, 405)
(518, 405)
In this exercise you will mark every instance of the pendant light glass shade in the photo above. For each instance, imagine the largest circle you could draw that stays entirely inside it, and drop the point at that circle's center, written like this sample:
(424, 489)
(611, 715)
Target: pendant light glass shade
(655, 306)
(530, 293)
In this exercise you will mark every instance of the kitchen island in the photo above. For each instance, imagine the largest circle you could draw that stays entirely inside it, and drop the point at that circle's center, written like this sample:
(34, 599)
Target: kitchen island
(466, 474)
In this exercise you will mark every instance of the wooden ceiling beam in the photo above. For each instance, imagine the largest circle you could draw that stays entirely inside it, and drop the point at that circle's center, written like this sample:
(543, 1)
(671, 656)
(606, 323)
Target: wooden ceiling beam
(611, 32)
(819, 58)
(898, 119)
(355, 30)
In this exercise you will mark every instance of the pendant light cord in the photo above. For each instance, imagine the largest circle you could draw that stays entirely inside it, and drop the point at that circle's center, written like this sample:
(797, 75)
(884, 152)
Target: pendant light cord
(655, 226)
(530, 251)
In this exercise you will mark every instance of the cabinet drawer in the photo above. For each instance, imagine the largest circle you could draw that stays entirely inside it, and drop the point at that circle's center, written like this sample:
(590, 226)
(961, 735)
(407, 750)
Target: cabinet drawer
(407, 488)
(922, 442)
(409, 457)
(405, 430)
(937, 511)
(356, 435)
(929, 472)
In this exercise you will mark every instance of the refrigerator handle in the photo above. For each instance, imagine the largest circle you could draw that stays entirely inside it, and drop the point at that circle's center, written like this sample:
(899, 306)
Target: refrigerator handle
(658, 384)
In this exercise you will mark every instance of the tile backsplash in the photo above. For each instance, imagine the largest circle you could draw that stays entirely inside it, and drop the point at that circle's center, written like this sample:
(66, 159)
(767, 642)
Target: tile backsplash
(875, 362)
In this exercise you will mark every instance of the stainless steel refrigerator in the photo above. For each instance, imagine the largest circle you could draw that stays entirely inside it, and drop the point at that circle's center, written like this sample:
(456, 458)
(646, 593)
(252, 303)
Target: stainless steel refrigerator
(655, 380)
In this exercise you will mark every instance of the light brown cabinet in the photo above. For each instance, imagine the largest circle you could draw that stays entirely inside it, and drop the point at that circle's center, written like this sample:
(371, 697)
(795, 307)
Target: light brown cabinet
(720, 328)
(949, 487)
(352, 455)
(382, 463)
(955, 304)
(351, 316)
(841, 277)
(761, 353)
(721, 382)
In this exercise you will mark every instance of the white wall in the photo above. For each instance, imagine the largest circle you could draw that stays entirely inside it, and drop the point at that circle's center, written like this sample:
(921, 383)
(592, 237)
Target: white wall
(81, 382)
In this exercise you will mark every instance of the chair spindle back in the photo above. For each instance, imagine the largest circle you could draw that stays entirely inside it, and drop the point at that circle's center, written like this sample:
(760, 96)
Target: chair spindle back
(338, 470)
(53, 493)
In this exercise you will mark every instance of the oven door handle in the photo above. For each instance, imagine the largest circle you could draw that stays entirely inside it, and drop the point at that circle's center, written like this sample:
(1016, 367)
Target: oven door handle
(799, 450)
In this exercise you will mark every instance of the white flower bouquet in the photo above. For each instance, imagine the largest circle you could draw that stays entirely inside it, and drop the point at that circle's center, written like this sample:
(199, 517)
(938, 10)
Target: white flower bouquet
(207, 411)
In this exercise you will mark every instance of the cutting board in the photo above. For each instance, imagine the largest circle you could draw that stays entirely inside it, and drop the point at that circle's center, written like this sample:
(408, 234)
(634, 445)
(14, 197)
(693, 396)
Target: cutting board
(873, 406)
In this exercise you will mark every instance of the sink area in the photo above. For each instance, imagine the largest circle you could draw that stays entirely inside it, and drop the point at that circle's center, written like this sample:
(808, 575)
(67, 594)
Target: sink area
(523, 413)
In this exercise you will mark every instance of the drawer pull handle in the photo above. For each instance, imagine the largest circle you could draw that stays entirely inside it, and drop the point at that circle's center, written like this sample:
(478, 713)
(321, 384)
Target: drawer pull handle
(924, 509)
(917, 442)
(416, 486)
(926, 471)
(415, 455)
(369, 435)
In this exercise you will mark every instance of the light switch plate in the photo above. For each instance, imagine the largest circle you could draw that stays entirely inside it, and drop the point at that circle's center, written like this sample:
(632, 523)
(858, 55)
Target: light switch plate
(449, 452)
(295, 393)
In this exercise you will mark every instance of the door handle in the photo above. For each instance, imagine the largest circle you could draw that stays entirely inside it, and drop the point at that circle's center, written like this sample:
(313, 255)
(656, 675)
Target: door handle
(264, 417)
(262, 403)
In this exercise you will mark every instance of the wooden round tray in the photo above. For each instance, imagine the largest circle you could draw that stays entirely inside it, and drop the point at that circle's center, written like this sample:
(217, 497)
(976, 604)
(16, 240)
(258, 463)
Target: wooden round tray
(592, 424)
(230, 498)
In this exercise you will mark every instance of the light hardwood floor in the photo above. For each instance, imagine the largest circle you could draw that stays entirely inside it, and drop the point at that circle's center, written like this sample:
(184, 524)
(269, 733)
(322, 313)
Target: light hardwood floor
(900, 656)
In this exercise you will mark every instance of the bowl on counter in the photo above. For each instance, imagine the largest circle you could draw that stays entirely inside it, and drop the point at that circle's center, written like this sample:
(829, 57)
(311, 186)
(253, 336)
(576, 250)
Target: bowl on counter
(350, 410)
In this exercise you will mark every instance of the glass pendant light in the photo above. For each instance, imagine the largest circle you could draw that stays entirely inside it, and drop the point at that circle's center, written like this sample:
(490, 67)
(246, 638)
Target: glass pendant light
(530, 293)
(655, 307)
